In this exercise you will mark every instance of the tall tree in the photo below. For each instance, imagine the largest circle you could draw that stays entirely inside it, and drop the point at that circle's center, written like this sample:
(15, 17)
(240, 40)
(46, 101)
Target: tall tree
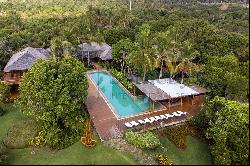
(143, 56)
(120, 50)
(162, 42)
(53, 91)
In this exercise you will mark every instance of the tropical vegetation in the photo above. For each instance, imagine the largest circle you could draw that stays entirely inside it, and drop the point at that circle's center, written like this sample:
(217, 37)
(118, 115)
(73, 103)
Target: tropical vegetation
(53, 92)
(194, 42)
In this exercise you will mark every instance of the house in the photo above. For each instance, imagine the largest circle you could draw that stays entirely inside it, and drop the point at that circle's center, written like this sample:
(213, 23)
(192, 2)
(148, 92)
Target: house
(21, 62)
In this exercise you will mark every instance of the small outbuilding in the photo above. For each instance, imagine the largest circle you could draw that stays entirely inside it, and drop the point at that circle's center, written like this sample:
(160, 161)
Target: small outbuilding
(21, 61)
(94, 50)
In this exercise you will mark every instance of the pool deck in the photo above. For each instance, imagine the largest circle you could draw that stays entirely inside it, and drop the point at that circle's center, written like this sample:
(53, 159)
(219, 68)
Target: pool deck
(108, 125)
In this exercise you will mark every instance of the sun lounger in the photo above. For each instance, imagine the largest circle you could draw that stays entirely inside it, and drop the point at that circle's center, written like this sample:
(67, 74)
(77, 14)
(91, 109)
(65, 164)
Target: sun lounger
(152, 119)
(134, 123)
(128, 124)
(176, 114)
(163, 117)
(180, 112)
(157, 118)
(146, 120)
(141, 121)
(169, 116)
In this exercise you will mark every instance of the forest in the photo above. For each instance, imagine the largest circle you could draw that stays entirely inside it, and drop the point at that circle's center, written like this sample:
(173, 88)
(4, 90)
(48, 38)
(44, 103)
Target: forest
(219, 37)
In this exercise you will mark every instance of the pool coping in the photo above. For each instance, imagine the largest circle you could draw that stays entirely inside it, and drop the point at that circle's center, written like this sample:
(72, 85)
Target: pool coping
(110, 105)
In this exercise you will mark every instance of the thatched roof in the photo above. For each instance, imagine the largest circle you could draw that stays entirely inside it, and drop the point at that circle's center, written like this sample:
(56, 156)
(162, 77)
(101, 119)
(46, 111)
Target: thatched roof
(24, 59)
(94, 49)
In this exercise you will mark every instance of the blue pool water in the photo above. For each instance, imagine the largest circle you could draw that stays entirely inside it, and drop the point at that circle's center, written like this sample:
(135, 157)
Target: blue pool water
(120, 100)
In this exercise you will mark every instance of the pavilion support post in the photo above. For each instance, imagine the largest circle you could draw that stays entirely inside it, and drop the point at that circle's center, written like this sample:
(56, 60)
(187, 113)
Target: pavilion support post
(169, 103)
(193, 100)
(134, 90)
(181, 101)
(153, 104)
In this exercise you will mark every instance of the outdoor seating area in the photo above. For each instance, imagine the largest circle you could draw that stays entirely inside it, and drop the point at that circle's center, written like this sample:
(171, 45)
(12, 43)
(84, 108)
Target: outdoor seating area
(152, 119)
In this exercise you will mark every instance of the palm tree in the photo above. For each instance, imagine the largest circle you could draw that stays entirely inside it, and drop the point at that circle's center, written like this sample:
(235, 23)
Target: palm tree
(187, 54)
(143, 56)
(67, 48)
(162, 45)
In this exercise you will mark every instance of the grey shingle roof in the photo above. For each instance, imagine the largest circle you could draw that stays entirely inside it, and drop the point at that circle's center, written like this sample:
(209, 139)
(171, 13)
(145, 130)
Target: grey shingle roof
(24, 59)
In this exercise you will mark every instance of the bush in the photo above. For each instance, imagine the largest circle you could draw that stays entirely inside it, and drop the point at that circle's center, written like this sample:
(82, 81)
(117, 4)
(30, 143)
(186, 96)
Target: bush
(53, 92)
(3, 154)
(142, 140)
(38, 140)
(177, 134)
(19, 134)
(122, 78)
(163, 160)
(4, 91)
(11, 99)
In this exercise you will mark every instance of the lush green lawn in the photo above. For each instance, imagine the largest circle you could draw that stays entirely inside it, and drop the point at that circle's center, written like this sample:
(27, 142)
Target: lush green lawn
(196, 153)
(75, 154)
(8, 119)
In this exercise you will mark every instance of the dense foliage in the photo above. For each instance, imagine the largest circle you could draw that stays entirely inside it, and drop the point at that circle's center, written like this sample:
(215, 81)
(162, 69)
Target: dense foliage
(142, 140)
(177, 134)
(191, 41)
(4, 91)
(212, 33)
(53, 91)
(163, 160)
(121, 77)
(226, 123)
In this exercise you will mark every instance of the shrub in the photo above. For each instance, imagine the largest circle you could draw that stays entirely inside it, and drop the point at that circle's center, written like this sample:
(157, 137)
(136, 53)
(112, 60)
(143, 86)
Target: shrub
(163, 160)
(53, 91)
(4, 91)
(11, 99)
(38, 140)
(19, 134)
(3, 154)
(177, 134)
(142, 140)
(122, 78)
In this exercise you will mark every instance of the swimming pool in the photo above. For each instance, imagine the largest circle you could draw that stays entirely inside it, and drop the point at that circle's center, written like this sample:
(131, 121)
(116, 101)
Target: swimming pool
(123, 103)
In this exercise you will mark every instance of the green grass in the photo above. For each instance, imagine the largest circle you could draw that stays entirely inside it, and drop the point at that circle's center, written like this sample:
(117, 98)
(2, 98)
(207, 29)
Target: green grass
(9, 118)
(75, 154)
(196, 153)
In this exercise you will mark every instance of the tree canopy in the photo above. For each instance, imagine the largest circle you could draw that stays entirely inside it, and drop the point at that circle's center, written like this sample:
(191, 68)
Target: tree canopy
(53, 92)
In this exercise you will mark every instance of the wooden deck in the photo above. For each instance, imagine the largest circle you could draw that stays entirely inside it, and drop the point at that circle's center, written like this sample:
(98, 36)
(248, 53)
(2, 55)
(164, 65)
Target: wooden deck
(108, 125)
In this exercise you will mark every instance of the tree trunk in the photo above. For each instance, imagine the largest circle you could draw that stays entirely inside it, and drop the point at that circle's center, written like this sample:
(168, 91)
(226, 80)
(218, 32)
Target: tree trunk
(144, 74)
(182, 76)
(130, 5)
(161, 70)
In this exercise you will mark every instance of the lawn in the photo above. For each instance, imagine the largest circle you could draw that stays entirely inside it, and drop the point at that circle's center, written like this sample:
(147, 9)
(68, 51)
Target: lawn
(196, 153)
(75, 154)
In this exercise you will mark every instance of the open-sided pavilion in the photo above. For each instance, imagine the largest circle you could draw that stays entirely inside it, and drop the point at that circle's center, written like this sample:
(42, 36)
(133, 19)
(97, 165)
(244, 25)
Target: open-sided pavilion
(169, 92)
